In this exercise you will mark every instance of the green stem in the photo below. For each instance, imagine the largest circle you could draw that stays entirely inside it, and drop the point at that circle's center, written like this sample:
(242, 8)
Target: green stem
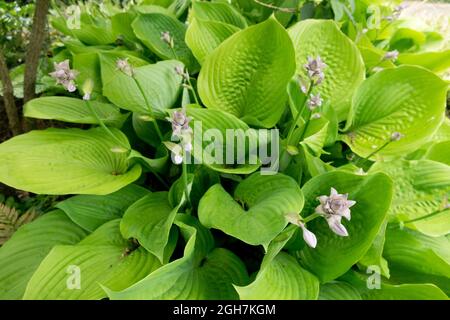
(311, 217)
(150, 109)
(299, 114)
(104, 127)
(363, 161)
(185, 181)
(192, 90)
(425, 216)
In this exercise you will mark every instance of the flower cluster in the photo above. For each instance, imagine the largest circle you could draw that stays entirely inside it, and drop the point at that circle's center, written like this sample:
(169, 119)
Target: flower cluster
(167, 38)
(314, 68)
(333, 208)
(124, 66)
(181, 132)
(64, 75)
(391, 55)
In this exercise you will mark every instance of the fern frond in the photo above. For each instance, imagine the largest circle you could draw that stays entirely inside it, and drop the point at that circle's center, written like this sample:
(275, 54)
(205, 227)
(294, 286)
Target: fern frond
(11, 220)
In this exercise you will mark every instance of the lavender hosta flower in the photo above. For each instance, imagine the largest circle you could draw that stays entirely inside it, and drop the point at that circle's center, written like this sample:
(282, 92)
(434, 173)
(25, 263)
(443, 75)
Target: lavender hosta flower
(314, 101)
(395, 136)
(64, 75)
(314, 68)
(333, 208)
(181, 71)
(308, 236)
(124, 66)
(167, 38)
(182, 131)
(391, 55)
(180, 123)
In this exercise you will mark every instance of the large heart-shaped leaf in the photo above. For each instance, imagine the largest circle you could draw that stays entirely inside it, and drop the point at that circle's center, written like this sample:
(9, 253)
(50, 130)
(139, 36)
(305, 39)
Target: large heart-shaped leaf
(421, 190)
(345, 68)
(258, 216)
(149, 27)
(91, 211)
(202, 273)
(394, 292)
(21, 255)
(282, 279)
(102, 258)
(409, 100)
(66, 161)
(338, 291)
(159, 82)
(248, 73)
(416, 258)
(334, 255)
(203, 37)
(149, 220)
(73, 110)
(280, 275)
(220, 12)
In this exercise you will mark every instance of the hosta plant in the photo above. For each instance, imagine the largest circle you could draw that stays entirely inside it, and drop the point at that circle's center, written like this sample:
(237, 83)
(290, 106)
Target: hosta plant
(218, 155)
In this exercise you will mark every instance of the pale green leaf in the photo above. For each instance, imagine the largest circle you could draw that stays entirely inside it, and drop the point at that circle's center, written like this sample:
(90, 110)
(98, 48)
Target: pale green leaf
(258, 216)
(421, 190)
(103, 258)
(248, 73)
(66, 161)
(148, 28)
(334, 255)
(409, 100)
(91, 211)
(345, 67)
(21, 255)
(73, 110)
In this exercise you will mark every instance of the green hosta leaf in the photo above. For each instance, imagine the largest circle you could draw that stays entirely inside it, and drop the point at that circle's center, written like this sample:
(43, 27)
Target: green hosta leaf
(103, 258)
(433, 61)
(148, 29)
(88, 66)
(66, 161)
(408, 99)
(345, 67)
(156, 164)
(149, 221)
(160, 86)
(220, 12)
(248, 73)
(21, 255)
(439, 152)
(91, 211)
(416, 258)
(73, 110)
(121, 25)
(394, 292)
(199, 274)
(203, 37)
(338, 291)
(334, 255)
(94, 30)
(108, 63)
(315, 135)
(282, 279)
(216, 121)
(259, 214)
(374, 256)
(421, 188)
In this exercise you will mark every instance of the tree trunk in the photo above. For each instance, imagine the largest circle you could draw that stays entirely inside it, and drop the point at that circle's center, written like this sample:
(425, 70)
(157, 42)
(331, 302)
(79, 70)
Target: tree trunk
(37, 37)
(8, 97)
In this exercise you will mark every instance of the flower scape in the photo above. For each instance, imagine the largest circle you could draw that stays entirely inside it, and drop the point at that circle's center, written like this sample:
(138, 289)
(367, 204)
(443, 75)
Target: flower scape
(142, 182)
